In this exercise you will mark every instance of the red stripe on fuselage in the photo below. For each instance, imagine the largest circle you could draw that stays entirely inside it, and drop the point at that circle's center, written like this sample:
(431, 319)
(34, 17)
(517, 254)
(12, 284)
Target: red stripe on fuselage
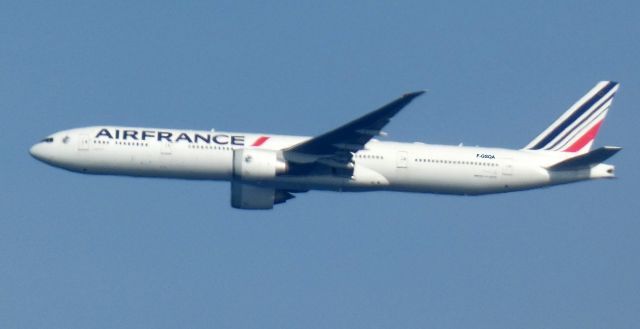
(260, 141)
(585, 139)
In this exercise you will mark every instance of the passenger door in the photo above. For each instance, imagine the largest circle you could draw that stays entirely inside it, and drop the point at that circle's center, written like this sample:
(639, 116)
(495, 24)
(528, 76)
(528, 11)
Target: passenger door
(507, 168)
(402, 159)
(166, 148)
(83, 143)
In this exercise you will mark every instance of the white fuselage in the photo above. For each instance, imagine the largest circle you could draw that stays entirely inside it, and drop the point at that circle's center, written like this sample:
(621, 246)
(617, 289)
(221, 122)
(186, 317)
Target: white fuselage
(393, 166)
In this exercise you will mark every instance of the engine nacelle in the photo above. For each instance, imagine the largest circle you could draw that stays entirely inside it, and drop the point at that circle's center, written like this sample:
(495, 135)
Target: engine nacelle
(249, 196)
(257, 165)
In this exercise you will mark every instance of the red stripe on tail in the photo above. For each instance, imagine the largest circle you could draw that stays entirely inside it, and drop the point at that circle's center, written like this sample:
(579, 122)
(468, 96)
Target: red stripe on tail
(585, 139)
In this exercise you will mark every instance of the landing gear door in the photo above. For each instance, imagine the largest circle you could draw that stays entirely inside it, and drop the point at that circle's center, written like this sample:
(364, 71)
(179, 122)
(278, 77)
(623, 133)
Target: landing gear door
(83, 143)
(402, 160)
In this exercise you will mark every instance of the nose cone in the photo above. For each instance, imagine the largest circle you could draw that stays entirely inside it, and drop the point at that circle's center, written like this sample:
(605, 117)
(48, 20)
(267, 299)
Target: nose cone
(36, 151)
(42, 152)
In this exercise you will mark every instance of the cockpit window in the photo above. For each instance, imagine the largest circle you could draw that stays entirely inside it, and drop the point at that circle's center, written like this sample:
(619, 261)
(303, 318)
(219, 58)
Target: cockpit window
(48, 140)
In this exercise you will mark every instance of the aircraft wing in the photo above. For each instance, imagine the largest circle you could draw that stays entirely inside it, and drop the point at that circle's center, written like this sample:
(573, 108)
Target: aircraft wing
(336, 147)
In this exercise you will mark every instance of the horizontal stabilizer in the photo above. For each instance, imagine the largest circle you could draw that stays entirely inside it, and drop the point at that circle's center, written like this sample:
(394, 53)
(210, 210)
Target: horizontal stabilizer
(588, 159)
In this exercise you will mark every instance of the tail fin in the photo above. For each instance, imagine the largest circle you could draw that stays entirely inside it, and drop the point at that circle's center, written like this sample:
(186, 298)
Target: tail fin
(577, 128)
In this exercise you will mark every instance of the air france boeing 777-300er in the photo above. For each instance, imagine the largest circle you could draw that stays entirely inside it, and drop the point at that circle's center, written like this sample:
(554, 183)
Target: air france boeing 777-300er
(267, 169)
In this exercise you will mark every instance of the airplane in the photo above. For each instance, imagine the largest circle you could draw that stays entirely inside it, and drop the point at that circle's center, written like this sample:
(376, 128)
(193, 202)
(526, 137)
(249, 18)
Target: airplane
(267, 169)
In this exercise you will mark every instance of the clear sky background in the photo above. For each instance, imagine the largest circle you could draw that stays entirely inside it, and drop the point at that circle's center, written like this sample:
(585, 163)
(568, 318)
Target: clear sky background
(79, 251)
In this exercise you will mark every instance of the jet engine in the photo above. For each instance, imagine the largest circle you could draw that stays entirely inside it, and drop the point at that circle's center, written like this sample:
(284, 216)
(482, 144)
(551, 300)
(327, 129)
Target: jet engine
(253, 169)
(255, 165)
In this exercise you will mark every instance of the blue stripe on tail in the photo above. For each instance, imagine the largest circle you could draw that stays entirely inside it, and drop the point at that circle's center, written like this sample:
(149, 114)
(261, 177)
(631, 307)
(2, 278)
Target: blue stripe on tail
(574, 116)
(579, 125)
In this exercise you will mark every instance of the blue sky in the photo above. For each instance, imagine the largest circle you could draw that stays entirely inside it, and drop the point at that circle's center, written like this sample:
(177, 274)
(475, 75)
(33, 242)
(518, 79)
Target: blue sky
(102, 252)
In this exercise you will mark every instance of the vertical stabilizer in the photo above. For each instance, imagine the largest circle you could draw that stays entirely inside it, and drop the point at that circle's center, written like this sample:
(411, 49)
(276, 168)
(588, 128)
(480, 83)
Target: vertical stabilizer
(577, 128)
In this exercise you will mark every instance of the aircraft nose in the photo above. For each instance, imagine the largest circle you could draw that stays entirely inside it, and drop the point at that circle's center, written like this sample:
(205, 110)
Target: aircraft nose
(37, 151)
(34, 151)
